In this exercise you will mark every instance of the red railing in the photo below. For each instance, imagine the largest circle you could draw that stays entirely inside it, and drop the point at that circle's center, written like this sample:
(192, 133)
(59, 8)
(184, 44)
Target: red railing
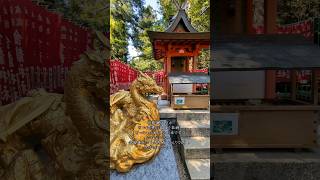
(201, 70)
(37, 48)
(121, 75)
(158, 76)
(304, 27)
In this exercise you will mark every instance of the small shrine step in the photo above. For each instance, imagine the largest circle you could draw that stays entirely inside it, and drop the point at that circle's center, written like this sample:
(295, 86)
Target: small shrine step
(199, 169)
(196, 147)
(189, 128)
(194, 115)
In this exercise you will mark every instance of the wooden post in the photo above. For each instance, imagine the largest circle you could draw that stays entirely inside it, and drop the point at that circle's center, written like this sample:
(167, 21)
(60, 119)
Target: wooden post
(270, 84)
(190, 65)
(171, 97)
(293, 77)
(194, 67)
(195, 62)
(270, 16)
(187, 64)
(168, 72)
(168, 64)
(315, 93)
(249, 15)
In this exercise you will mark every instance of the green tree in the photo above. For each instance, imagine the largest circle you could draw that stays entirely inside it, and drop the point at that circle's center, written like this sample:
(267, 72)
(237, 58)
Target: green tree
(167, 10)
(118, 39)
(125, 18)
(148, 21)
(291, 11)
(121, 14)
(199, 13)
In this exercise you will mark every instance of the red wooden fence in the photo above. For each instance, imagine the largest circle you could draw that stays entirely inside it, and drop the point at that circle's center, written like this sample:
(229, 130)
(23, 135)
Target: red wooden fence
(37, 48)
(304, 27)
(122, 75)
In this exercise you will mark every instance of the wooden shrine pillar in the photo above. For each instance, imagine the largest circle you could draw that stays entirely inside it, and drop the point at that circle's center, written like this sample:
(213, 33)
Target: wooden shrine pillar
(187, 62)
(168, 64)
(270, 27)
(167, 73)
(249, 15)
(315, 93)
(165, 81)
(194, 67)
(195, 62)
(293, 77)
(190, 64)
(270, 16)
(270, 89)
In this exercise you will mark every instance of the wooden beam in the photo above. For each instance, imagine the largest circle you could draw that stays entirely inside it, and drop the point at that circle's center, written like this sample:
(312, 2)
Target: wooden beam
(177, 54)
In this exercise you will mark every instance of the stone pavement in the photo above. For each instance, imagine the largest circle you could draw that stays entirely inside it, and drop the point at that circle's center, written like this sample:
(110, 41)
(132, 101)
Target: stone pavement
(266, 165)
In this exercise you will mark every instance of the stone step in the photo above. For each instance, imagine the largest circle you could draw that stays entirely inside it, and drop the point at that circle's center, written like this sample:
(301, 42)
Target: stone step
(194, 115)
(199, 169)
(194, 128)
(196, 147)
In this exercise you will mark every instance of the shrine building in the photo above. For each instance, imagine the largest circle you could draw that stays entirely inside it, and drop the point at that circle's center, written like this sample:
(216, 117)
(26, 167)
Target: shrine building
(179, 46)
(265, 90)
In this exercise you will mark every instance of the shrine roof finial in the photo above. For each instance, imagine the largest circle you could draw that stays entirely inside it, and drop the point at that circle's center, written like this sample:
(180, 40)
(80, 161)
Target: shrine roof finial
(181, 18)
(181, 4)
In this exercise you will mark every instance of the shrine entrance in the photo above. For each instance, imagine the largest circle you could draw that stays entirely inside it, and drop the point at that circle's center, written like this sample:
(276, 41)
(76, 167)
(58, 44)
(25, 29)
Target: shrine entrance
(179, 64)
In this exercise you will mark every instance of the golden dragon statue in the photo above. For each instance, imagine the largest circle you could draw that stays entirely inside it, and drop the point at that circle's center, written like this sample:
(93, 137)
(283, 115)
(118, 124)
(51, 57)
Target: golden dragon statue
(135, 132)
(60, 136)
(65, 136)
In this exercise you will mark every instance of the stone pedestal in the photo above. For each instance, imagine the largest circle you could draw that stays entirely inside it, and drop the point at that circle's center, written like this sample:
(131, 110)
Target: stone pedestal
(163, 166)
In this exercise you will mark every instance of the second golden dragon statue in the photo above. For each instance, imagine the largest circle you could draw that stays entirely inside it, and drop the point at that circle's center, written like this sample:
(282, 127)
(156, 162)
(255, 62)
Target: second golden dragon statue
(63, 136)
(48, 136)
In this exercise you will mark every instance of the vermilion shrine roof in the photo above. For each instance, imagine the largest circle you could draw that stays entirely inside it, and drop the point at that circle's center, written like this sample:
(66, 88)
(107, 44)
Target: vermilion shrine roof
(153, 35)
(179, 33)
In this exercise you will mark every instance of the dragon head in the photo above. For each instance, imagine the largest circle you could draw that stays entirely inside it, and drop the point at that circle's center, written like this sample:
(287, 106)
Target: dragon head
(145, 84)
(93, 67)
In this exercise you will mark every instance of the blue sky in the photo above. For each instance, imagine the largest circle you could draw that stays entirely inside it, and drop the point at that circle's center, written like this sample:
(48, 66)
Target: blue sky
(154, 4)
